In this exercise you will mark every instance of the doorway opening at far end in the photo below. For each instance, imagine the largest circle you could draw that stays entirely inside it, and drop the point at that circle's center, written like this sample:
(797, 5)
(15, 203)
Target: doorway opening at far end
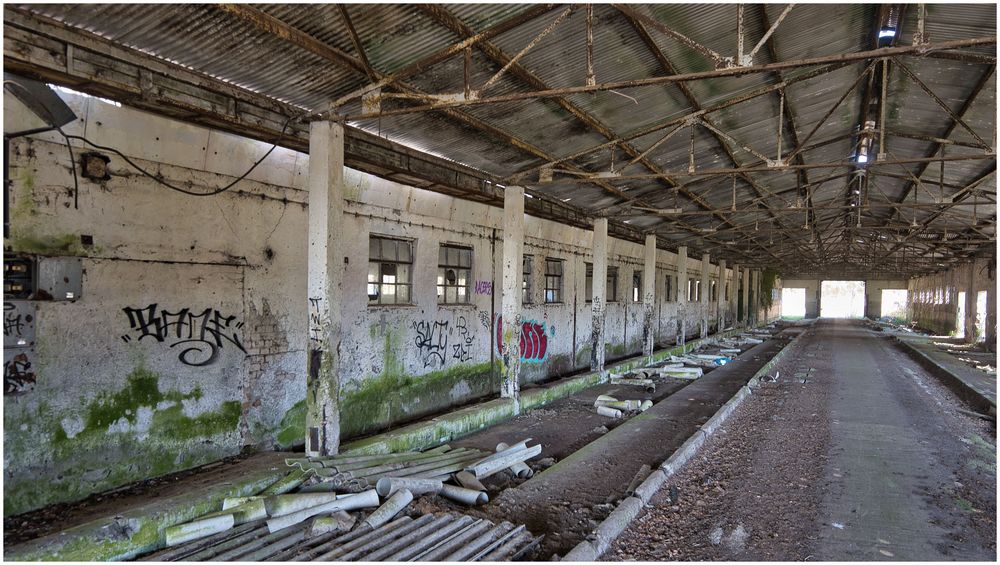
(793, 303)
(842, 299)
(894, 304)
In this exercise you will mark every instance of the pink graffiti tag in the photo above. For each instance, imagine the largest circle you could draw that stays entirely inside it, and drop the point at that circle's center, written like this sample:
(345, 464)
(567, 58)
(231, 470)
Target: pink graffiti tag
(533, 342)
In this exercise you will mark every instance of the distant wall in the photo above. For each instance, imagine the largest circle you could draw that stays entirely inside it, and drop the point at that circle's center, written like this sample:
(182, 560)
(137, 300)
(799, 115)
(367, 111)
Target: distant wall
(934, 299)
(873, 294)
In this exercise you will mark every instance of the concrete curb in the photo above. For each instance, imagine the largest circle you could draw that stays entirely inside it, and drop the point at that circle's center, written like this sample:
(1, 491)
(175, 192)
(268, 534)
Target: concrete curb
(972, 397)
(631, 507)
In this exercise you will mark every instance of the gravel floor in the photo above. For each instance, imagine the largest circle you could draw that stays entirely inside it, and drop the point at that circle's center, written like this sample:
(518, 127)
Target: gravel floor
(758, 490)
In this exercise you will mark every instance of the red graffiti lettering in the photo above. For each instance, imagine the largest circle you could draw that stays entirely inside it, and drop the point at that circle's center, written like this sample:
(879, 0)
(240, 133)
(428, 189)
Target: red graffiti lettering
(533, 341)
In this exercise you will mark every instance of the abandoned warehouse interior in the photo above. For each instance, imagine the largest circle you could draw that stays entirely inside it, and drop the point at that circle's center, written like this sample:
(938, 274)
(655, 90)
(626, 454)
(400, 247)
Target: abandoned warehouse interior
(499, 281)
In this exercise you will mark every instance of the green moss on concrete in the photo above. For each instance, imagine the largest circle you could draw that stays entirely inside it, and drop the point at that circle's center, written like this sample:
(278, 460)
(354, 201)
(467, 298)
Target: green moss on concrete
(378, 402)
(292, 429)
(65, 244)
(172, 423)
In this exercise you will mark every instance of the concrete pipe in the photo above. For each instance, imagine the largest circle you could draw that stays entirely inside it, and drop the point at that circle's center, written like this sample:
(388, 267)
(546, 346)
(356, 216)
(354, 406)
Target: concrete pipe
(609, 412)
(502, 460)
(623, 405)
(339, 522)
(249, 511)
(520, 469)
(366, 499)
(396, 503)
(464, 495)
(198, 529)
(281, 504)
(646, 405)
(469, 481)
(288, 483)
(387, 486)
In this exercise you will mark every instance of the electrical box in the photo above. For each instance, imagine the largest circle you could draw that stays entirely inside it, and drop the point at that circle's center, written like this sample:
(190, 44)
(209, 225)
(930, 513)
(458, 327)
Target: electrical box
(59, 278)
(18, 276)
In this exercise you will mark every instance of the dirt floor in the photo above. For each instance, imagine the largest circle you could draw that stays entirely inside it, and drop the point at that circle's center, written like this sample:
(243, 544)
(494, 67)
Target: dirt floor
(603, 455)
(854, 453)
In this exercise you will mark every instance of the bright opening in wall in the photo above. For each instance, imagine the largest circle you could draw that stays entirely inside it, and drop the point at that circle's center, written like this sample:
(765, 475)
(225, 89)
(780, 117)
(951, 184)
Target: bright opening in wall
(894, 304)
(981, 316)
(842, 299)
(793, 303)
(960, 319)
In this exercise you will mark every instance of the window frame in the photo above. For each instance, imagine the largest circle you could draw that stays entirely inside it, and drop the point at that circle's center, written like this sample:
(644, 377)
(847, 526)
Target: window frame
(637, 275)
(381, 262)
(557, 277)
(442, 288)
(611, 283)
(527, 262)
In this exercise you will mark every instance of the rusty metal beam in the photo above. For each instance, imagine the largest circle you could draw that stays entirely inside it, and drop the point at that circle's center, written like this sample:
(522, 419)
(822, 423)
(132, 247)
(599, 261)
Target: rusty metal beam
(701, 75)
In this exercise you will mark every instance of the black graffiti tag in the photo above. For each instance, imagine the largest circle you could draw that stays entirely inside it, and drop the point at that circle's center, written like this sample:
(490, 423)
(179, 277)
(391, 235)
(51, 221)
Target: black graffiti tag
(463, 349)
(17, 375)
(201, 335)
(13, 321)
(431, 341)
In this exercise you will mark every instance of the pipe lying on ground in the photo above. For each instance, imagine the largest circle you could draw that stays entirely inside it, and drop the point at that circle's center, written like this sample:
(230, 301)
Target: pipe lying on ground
(520, 469)
(469, 481)
(339, 522)
(623, 405)
(198, 529)
(396, 503)
(640, 476)
(335, 548)
(288, 483)
(281, 504)
(387, 486)
(646, 405)
(406, 459)
(249, 511)
(366, 499)
(451, 544)
(500, 461)
(610, 412)
(465, 496)
(238, 500)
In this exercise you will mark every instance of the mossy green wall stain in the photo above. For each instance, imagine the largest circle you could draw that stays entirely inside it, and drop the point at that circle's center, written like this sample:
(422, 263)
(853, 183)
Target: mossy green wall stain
(65, 244)
(292, 429)
(55, 467)
(378, 402)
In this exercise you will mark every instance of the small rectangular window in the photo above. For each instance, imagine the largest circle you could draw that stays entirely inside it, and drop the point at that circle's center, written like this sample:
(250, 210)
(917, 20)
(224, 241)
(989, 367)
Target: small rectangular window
(390, 263)
(611, 290)
(714, 293)
(526, 279)
(668, 294)
(637, 286)
(553, 280)
(454, 274)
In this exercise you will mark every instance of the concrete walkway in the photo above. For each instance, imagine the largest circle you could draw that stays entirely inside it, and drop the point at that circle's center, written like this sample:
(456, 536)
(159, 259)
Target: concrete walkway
(975, 386)
(889, 455)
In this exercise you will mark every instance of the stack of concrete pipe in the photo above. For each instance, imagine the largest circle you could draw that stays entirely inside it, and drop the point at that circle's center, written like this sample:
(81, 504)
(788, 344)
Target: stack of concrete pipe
(306, 500)
(614, 408)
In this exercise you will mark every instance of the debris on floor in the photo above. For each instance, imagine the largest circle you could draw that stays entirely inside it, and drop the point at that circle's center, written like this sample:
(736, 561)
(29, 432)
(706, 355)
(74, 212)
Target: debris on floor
(358, 507)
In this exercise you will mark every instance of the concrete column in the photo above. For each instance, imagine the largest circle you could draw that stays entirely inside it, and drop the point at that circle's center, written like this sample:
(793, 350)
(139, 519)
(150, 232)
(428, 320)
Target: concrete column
(326, 274)
(510, 299)
(721, 304)
(648, 294)
(746, 297)
(706, 293)
(599, 286)
(755, 298)
(682, 293)
(733, 293)
(991, 314)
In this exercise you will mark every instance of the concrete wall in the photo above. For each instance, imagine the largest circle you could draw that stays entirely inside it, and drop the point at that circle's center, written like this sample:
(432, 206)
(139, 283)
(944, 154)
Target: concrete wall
(188, 340)
(934, 299)
(873, 294)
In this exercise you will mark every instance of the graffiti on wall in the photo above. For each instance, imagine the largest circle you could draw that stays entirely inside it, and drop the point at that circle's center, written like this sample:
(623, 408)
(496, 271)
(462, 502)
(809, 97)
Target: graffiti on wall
(484, 287)
(462, 349)
(200, 335)
(315, 320)
(534, 340)
(432, 342)
(18, 347)
(439, 341)
(18, 375)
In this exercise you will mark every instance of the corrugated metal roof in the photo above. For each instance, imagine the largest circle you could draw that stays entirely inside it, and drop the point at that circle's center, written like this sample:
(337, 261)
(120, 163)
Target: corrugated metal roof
(211, 40)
